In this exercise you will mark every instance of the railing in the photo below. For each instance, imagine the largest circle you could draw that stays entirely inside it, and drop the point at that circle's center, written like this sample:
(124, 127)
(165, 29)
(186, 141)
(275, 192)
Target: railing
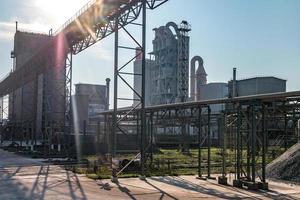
(32, 32)
(78, 13)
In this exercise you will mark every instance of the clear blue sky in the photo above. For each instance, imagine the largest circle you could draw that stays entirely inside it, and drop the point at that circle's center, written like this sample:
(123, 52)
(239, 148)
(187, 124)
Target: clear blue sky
(259, 37)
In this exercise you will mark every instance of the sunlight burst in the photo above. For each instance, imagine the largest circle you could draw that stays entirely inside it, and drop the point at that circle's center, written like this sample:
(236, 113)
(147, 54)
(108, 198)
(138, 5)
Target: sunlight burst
(60, 10)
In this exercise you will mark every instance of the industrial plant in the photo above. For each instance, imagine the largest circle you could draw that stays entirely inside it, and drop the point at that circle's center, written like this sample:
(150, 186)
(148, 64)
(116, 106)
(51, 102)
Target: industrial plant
(247, 128)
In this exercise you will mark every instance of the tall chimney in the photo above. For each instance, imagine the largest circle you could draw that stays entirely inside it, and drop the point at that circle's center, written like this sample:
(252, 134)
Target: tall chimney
(107, 93)
(16, 26)
(234, 83)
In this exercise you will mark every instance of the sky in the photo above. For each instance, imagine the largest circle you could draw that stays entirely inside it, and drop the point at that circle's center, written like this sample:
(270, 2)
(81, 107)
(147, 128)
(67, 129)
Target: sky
(258, 37)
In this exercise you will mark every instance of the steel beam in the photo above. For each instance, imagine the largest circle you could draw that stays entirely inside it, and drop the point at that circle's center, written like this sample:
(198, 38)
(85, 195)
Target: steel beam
(115, 122)
(199, 142)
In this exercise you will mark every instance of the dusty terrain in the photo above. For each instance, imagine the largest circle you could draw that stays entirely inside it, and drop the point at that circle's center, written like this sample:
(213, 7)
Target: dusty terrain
(23, 178)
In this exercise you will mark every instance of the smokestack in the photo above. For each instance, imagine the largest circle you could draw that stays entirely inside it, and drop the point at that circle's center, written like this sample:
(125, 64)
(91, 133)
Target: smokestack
(234, 83)
(16, 26)
(107, 93)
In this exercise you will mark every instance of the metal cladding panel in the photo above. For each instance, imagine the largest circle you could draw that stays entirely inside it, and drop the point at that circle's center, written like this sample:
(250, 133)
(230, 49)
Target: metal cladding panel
(26, 45)
(28, 102)
(96, 93)
(54, 93)
(89, 101)
(213, 91)
(260, 85)
(40, 103)
(80, 109)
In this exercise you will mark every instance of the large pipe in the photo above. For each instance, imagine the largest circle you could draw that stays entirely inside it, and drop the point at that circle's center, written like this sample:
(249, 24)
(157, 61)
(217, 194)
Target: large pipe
(193, 77)
(175, 26)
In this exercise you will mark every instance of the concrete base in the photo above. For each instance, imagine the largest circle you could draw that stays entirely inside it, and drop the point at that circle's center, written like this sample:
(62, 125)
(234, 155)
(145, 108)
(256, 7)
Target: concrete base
(222, 180)
(263, 186)
(252, 185)
(211, 178)
(201, 178)
(143, 178)
(114, 179)
(237, 183)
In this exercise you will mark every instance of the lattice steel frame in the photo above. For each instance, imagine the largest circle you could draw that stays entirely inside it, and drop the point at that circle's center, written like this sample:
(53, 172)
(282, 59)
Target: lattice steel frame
(248, 118)
(119, 23)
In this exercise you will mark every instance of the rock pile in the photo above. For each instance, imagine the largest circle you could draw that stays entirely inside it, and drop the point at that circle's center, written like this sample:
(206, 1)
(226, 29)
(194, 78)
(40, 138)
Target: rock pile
(287, 166)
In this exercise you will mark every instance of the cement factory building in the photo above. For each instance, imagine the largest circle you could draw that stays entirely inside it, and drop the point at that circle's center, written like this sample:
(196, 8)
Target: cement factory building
(43, 99)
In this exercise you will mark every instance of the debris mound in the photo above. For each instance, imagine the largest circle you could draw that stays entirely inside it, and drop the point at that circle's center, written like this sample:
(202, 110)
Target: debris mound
(287, 166)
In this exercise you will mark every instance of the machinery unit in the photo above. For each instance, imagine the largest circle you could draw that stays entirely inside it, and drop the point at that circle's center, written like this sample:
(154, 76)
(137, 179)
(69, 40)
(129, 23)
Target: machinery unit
(90, 100)
(170, 69)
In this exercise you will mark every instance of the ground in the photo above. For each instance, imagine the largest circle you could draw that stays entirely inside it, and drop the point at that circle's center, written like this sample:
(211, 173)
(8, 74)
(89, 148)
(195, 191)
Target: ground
(24, 178)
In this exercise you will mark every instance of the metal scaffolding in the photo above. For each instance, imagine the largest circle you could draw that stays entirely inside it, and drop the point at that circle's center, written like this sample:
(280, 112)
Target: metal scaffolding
(244, 126)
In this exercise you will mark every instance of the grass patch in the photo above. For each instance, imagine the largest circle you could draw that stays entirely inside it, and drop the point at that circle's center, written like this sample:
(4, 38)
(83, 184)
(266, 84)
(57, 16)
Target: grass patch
(172, 162)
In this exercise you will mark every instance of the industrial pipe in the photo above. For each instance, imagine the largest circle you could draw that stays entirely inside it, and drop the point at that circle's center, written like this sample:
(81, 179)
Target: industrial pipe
(193, 77)
(175, 26)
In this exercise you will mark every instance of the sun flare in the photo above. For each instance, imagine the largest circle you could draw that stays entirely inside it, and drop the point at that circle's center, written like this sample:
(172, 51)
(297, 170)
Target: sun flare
(60, 10)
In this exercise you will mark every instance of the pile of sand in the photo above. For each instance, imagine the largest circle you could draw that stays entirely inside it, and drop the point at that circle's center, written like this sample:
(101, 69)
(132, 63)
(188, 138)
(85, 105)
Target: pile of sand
(287, 166)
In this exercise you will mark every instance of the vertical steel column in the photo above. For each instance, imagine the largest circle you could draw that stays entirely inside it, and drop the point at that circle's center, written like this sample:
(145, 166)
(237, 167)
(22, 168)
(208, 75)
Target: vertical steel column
(151, 136)
(98, 136)
(2, 110)
(33, 134)
(35, 102)
(199, 142)
(238, 146)
(67, 123)
(208, 142)
(68, 93)
(143, 114)
(22, 113)
(248, 140)
(253, 142)
(138, 128)
(106, 135)
(115, 123)
(285, 131)
(263, 144)
(223, 135)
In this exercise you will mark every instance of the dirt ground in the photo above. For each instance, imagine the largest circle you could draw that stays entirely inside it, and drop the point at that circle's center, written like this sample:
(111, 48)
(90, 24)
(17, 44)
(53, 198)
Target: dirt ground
(23, 178)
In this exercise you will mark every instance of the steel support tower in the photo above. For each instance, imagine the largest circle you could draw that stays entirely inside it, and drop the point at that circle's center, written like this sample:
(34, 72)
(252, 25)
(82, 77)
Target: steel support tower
(183, 61)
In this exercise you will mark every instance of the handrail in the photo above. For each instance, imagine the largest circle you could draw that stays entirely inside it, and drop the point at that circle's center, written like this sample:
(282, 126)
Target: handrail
(78, 13)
